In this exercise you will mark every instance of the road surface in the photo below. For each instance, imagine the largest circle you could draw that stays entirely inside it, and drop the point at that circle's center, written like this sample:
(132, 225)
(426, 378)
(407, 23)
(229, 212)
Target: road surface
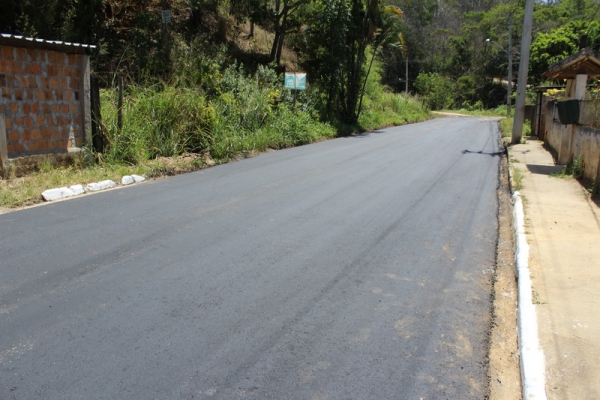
(357, 268)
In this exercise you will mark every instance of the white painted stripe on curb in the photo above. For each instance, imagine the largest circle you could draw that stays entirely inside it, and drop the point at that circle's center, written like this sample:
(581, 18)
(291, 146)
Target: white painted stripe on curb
(533, 374)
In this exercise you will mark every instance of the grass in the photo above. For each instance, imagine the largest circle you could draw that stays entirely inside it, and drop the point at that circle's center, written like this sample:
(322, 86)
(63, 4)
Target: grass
(573, 170)
(483, 113)
(382, 108)
(170, 129)
(506, 126)
(536, 298)
(27, 190)
(389, 109)
(518, 179)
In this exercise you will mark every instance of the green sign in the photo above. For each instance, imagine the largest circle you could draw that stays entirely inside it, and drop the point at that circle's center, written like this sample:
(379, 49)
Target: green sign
(295, 81)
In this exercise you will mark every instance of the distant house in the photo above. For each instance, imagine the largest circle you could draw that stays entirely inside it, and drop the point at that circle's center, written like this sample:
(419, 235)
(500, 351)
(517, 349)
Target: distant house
(45, 96)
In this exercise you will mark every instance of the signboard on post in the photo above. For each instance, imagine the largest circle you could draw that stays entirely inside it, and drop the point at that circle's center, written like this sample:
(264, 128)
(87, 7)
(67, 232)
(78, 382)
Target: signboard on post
(166, 16)
(295, 81)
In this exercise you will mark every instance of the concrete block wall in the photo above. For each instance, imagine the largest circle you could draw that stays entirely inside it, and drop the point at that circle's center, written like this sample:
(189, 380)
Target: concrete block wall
(552, 128)
(590, 113)
(41, 99)
(586, 144)
(568, 142)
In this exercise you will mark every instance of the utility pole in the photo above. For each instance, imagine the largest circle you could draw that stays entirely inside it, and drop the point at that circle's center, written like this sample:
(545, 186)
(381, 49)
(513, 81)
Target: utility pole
(517, 131)
(509, 83)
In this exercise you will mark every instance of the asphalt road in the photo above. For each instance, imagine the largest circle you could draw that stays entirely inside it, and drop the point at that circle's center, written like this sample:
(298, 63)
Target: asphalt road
(357, 268)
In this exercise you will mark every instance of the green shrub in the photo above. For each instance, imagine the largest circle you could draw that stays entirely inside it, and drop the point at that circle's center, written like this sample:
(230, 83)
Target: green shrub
(157, 121)
(436, 90)
(465, 92)
(243, 113)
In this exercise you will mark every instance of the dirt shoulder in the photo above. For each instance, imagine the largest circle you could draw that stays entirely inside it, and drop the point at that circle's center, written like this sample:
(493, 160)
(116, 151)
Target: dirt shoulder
(563, 230)
(504, 371)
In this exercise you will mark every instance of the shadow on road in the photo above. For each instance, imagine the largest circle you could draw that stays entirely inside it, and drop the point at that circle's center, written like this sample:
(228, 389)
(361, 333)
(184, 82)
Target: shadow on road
(364, 134)
(495, 154)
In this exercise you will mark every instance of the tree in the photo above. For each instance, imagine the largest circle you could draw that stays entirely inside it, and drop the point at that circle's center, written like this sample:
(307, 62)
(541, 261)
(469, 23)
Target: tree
(436, 90)
(553, 47)
(336, 46)
(284, 17)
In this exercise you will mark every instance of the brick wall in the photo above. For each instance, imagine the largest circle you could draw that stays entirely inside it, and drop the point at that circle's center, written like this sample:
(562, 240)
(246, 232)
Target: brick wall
(41, 100)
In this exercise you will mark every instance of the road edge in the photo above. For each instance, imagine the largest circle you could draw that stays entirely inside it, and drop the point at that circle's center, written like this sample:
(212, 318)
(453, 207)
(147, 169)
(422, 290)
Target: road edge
(504, 370)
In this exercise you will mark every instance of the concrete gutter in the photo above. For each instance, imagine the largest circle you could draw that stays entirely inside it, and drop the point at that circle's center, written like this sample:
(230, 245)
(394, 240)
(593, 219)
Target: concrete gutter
(533, 376)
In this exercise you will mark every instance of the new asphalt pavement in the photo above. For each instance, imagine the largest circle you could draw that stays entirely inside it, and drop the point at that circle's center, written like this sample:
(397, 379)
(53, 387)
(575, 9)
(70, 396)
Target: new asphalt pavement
(356, 268)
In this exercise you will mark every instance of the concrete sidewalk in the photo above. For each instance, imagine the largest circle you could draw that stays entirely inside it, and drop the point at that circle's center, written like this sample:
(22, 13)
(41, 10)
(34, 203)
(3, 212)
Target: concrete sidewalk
(562, 225)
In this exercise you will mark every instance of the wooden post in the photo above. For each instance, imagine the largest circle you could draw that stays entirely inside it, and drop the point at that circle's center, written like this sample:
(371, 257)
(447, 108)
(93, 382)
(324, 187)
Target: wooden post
(406, 87)
(509, 74)
(120, 104)
(597, 181)
(3, 148)
(97, 138)
(578, 94)
(85, 100)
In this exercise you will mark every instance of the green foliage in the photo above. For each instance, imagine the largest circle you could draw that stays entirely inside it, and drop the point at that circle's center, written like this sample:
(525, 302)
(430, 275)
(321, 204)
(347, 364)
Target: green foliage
(553, 47)
(157, 121)
(340, 46)
(506, 125)
(245, 114)
(436, 90)
(574, 169)
(391, 109)
(465, 92)
(383, 108)
(193, 66)
(517, 178)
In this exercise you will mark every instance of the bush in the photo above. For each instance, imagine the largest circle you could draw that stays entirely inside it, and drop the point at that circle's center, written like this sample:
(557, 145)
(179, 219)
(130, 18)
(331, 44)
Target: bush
(239, 113)
(492, 94)
(465, 92)
(436, 90)
(157, 121)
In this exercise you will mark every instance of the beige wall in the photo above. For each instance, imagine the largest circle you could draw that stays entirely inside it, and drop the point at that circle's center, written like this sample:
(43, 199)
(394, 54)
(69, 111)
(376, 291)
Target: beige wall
(572, 141)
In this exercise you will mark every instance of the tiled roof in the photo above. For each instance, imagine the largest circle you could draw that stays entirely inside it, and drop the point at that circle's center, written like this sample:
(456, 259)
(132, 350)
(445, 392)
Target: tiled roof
(587, 61)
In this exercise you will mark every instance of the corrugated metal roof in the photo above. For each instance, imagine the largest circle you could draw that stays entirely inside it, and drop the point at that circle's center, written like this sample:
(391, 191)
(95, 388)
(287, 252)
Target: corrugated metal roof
(68, 47)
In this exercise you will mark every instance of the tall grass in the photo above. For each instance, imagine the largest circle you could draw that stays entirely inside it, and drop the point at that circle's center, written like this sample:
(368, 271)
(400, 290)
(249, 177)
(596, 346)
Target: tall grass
(238, 113)
(506, 126)
(157, 121)
(246, 114)
(389, 109)
(212, 112)
(382, 108)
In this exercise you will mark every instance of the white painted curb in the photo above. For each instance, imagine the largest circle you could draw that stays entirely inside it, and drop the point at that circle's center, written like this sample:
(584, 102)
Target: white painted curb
(64, 192)
(533, 375)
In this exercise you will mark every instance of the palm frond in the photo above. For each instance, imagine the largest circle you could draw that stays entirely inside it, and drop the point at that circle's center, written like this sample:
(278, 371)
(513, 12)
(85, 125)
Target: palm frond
(397, 11)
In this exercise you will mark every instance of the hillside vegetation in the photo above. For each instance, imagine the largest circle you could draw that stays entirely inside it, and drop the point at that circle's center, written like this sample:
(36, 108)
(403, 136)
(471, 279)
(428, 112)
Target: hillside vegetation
(210, 82)
(333, 41)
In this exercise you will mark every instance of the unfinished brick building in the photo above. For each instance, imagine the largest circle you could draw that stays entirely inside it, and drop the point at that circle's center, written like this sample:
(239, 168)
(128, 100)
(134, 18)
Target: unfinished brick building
(45, 101)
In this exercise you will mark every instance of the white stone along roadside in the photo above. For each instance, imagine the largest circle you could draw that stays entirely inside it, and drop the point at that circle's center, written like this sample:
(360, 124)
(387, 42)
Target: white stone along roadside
(65, 192)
